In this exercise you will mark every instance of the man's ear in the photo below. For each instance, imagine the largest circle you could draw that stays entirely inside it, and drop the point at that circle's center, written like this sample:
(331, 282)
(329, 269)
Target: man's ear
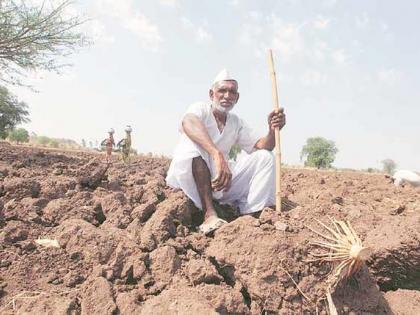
(211, 94)
(237, 98)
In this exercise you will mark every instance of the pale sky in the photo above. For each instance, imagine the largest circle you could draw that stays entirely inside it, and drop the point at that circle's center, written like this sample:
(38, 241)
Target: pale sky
(347, 71)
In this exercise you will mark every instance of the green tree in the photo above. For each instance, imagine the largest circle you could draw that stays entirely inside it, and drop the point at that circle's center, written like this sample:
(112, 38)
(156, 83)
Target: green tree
(43, 140)
(54, 143)
(84, 143)
(34, 37)
(389, 166)
(12, 112)
(19, 135)
(318, 152)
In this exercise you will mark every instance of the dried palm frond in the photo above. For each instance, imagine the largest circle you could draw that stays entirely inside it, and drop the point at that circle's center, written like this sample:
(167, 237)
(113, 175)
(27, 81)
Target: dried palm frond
(345, 250)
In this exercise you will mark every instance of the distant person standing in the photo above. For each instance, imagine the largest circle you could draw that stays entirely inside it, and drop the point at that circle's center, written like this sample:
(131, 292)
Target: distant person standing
(109, 144)
(125, 145)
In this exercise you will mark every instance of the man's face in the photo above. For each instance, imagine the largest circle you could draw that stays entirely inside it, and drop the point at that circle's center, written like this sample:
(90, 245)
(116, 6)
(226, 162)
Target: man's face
(225, 93)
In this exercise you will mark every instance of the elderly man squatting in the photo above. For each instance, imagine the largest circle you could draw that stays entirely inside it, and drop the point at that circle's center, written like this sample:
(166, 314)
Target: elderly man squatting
(200, 166)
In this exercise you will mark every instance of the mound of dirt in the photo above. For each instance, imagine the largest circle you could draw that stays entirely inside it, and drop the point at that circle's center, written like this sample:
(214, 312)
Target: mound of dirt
(128, 244)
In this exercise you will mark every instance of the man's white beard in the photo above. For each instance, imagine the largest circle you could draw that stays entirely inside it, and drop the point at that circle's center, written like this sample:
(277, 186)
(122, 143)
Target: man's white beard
(222, 109)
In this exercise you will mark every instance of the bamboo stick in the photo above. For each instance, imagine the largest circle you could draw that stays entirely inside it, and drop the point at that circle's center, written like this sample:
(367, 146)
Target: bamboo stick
(276, 132)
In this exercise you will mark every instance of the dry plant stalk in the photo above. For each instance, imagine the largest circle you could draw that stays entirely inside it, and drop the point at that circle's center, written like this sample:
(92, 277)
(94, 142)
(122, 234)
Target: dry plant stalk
(331, 306)
(22, 295)
(294, 282)
(345, 250)
(31, 295)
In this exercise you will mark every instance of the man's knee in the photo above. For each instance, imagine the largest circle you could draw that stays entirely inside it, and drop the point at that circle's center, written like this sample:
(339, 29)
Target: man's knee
(198, 163)
(264, 156)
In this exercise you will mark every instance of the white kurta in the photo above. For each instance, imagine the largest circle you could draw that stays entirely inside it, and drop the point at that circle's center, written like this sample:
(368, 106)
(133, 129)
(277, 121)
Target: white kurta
(253, 174)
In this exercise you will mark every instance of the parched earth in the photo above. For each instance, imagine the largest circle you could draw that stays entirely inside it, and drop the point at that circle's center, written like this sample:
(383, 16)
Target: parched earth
(128, 244)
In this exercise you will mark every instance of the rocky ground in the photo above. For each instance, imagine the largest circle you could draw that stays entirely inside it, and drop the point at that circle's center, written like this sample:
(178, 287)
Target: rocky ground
(129, 245)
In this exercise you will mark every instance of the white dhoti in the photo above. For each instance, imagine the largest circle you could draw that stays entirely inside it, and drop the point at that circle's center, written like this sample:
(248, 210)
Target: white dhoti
(252, 187)
(253, 182)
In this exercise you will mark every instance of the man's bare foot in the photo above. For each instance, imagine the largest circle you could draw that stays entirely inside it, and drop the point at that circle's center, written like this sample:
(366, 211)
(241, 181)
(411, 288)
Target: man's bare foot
(211, 224)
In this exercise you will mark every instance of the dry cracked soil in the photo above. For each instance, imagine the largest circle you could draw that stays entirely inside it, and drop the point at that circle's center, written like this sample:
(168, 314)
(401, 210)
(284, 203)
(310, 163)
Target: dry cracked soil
(128, 244)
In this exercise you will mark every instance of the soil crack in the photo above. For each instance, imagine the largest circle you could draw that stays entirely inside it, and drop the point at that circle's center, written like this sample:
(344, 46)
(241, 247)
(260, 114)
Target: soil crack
(227, 272)
(247, 296)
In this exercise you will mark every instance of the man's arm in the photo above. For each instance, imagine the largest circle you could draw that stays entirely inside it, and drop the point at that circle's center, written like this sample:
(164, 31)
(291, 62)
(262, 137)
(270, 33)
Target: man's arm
(267, 142)
(197, 132)
(276, 119)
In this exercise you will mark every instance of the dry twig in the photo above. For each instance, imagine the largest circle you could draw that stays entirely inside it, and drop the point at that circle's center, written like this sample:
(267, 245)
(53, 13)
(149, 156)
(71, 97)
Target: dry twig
(294, 282)
(30, 295)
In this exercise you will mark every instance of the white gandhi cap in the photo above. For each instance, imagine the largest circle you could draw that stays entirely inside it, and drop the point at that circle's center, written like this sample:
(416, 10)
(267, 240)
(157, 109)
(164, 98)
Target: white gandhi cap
(223, 75)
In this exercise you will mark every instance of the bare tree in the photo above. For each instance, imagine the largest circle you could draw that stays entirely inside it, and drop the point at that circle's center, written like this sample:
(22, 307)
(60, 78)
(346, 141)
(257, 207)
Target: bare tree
(35, 37)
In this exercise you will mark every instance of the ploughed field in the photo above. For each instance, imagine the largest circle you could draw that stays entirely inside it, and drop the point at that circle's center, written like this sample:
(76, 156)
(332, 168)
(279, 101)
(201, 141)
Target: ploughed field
(127, 244)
